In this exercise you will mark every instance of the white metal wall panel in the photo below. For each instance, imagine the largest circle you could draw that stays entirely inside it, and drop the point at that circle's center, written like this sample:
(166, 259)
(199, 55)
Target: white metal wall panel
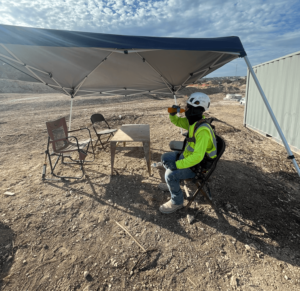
(280, 80)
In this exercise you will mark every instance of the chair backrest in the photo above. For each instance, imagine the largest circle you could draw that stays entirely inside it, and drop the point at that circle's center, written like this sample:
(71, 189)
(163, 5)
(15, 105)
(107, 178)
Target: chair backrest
(220, 146)
(57, 130)
(220, 150)
(96, 118)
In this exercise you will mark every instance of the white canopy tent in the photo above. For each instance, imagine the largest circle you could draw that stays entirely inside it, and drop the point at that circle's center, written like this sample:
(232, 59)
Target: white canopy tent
(81, 63)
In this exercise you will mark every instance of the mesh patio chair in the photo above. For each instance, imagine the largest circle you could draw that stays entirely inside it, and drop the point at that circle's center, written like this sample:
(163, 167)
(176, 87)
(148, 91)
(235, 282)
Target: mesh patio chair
(96, 119)
(63, 146)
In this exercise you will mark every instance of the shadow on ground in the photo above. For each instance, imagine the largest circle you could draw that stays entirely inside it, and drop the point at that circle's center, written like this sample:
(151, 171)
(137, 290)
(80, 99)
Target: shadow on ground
(251, 207)
(7, 252)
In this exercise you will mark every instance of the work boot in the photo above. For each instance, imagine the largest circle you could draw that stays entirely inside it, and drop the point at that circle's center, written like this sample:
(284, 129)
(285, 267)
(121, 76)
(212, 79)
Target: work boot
(169, 207)
(163, 187)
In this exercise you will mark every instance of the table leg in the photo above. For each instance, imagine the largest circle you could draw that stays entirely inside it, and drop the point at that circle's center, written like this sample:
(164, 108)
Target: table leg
(146, 146)
(113, 146)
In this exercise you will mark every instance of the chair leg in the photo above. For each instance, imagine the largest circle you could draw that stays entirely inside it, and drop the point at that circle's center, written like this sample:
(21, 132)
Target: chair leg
(206, 197)
(110, 135)
(200, 189)
(96, 141)
(101, 142)
(55, 164)
(113, 146)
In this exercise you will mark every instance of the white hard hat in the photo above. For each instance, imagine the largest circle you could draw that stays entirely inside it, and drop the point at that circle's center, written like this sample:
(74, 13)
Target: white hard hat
(198, 99)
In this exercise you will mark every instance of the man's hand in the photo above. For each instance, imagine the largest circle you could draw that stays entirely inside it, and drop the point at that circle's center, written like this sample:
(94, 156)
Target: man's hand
(170, 165)
(176, 107)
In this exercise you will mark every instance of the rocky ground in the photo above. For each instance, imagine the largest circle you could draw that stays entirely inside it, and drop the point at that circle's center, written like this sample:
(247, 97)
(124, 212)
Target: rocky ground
(70, 236)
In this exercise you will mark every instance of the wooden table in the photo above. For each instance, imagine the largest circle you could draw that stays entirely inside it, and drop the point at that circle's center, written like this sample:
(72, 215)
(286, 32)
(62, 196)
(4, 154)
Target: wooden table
(131, 133)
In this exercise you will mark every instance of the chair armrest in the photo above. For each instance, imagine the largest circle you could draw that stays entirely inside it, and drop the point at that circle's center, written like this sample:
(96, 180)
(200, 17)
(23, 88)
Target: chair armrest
(65, 138)
(76, 129)
(81, 129)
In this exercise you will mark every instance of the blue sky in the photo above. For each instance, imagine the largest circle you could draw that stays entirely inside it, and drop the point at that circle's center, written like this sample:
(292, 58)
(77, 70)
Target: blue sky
(268, 29)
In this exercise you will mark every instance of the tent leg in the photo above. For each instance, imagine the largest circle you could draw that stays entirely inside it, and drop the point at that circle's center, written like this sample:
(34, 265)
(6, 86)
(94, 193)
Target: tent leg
(291, 156)
(70, 120)
(175, 100)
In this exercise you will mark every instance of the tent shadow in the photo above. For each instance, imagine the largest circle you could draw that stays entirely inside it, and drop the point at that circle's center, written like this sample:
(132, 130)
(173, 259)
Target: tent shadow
(129, 195)
(7, 252)
(248, 202)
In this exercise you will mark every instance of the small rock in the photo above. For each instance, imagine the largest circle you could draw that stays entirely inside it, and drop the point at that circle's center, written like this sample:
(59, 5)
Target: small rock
(233, 281)
(131, 272)
(68, 194)
(109, 201)
(258, 255)
(126, 223)
(190, 218)
(86, 274)
(247, 247)
(286, 277)
(9, 259)
(46, 247)
(24, 262)
(228, 206)
(253, 246)
(7, 193)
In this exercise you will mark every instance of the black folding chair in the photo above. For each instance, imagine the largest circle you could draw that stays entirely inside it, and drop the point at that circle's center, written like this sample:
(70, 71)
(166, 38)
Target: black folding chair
(96, 119)
(202, 177)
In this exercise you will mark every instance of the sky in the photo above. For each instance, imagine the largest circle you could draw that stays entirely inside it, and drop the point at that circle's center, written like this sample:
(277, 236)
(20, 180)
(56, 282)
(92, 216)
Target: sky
(268, 29)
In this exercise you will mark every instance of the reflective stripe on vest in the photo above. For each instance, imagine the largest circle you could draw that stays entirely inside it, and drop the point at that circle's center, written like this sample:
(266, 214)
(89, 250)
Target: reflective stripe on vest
(212, 153)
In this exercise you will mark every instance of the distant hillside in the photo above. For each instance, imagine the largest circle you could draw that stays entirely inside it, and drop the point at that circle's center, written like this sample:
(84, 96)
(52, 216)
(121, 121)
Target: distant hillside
(11, 86)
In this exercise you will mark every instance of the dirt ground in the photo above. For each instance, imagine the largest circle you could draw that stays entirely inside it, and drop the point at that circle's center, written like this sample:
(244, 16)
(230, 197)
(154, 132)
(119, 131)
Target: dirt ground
(51, 233)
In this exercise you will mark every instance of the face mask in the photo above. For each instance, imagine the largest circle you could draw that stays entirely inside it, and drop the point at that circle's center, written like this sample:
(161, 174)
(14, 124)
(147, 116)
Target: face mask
(194, 114)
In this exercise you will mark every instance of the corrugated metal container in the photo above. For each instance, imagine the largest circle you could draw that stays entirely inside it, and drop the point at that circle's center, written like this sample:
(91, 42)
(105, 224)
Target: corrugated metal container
(280, 80)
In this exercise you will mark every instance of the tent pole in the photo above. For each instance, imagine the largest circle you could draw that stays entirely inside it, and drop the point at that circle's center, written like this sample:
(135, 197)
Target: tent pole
(175, 100)
(287, 147)
(70, 120)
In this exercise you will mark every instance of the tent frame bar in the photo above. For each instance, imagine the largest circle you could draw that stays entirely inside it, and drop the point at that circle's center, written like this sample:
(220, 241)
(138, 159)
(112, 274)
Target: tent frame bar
(228, 53)
(81, 83)
(160, 75)
(205, 70)
(29, 68)
(21, 63)
(262, 94)
(60, 86)
(111, 94)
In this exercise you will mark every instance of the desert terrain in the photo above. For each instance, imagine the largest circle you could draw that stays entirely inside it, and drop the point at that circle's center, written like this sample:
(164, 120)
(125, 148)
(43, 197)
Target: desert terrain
(67, 235)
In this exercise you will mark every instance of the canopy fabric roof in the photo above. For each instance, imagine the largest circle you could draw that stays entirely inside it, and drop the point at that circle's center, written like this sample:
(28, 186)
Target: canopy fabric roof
(80, 63)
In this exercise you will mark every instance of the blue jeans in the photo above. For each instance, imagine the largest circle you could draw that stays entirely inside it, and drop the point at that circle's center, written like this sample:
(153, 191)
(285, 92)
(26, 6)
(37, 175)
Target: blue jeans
(174, 175)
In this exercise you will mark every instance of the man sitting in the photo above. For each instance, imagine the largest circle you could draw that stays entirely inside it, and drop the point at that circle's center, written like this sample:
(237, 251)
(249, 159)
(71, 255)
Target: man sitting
(201, 144)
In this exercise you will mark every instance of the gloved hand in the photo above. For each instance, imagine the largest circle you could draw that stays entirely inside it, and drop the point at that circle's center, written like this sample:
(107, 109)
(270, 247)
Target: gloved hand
(176, 107)
(170, 165)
